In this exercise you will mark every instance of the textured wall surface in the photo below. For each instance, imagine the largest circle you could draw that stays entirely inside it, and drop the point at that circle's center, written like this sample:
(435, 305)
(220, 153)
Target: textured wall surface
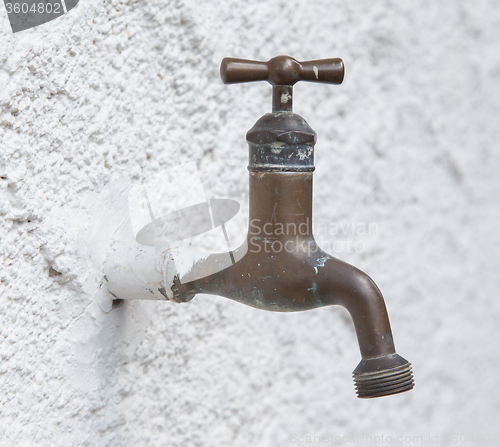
(115, 91)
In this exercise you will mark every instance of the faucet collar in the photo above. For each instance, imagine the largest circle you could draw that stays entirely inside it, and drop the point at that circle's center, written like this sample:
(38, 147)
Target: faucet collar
(281, 141)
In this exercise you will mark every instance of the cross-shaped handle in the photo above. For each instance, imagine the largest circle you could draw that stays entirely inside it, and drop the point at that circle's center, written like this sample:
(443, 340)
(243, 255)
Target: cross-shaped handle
(282, 72)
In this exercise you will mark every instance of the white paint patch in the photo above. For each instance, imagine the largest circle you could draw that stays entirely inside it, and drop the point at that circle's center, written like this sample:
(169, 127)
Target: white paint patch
(285, 97)
(315, 69)
(135, 272)
(305, 153)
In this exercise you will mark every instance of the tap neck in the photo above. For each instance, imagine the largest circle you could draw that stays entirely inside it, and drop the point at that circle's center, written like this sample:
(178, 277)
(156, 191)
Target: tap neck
(282, 98)
(280, 205)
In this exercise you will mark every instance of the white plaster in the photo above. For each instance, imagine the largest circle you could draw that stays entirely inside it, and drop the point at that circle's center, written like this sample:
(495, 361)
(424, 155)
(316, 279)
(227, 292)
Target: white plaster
(114, 92)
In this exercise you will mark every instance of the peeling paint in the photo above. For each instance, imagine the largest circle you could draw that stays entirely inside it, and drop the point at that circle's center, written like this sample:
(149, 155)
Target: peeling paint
(315, 69)
(163, 292)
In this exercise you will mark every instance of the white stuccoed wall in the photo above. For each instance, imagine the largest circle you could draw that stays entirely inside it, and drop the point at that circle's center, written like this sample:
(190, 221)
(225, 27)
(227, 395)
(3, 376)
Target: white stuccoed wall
(118, 90)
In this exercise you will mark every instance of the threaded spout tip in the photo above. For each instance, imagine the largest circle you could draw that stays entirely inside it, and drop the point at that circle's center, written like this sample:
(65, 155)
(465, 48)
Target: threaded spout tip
(383, 376)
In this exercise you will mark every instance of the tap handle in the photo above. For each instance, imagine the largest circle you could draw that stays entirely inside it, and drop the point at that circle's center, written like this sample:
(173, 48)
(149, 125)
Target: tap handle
(282, 71)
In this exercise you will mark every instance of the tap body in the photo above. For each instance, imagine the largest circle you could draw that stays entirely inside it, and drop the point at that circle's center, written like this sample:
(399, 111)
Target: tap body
(279, 267)
(284, 269)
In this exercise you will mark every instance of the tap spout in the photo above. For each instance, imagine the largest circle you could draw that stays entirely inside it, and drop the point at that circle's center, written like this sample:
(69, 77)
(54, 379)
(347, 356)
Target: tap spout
(281, 268)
